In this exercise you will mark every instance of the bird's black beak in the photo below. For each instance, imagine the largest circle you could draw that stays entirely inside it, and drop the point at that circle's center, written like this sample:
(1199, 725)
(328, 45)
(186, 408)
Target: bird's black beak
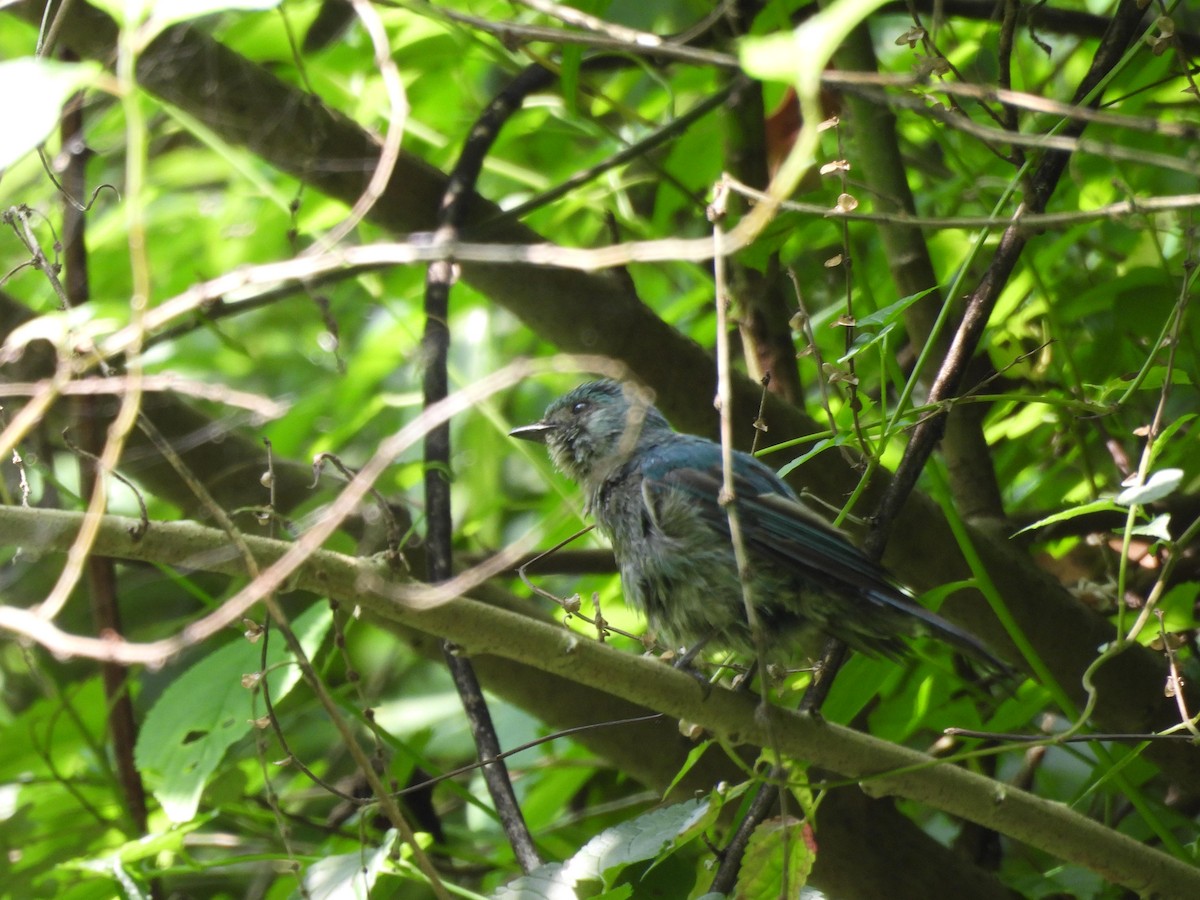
(537, 432)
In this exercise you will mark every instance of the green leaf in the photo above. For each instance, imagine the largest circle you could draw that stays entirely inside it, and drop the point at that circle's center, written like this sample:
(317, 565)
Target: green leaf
(865, 339)
(797, 57)
(1165, 436)
(771, 57)
(546, 882)
(1158, 485)
(892, 312)
(1179, 606)
(165, 13)
(775, 847)
(32, 92)
(887, 319)
(1073, 513)
(694, 756)
(823, 444)
(148, 847)
(206, 710)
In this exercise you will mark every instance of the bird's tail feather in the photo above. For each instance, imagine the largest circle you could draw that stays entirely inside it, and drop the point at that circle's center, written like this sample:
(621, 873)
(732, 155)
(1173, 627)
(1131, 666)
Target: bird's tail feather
(931, 624)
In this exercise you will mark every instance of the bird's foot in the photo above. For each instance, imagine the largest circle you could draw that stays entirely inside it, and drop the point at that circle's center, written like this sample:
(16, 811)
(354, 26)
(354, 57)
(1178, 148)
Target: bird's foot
(684, 664)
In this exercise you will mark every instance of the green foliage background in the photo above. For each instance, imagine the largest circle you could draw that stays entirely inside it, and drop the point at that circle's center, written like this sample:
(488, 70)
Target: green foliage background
(1090, 372)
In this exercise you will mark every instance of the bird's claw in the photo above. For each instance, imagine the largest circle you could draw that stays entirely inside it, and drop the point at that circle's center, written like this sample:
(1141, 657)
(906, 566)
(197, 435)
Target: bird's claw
(684, 664)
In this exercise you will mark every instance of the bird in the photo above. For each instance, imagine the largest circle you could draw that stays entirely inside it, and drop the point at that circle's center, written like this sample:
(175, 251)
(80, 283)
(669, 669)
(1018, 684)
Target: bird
(656, 494)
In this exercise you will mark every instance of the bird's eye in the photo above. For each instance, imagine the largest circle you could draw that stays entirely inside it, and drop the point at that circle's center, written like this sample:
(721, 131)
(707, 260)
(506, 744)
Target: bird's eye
(579, 407)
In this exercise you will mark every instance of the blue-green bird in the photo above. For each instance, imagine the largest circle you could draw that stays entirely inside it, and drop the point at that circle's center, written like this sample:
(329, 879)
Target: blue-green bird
(655, 494)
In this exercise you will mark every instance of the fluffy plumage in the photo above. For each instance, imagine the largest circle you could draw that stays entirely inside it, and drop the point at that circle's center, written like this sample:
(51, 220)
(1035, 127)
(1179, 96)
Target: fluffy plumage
(654, 494)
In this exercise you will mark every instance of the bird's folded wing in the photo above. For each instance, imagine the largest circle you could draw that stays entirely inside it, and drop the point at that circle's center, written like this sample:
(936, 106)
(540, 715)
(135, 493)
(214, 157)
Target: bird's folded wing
(774, 523)
(777, 527)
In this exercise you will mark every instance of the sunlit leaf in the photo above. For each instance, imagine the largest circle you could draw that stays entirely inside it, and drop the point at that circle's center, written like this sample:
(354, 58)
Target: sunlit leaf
(348, 876)
(32, 92)
(1073, 513)
(1160, 484)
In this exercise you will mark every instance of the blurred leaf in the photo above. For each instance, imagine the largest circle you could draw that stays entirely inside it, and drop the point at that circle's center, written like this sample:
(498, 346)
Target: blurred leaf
(643, 838)
(32, 93)
(165, 13)
(865, 339)
(348, 876)
(894, 311)
(1072, 513)
(1160, 484)
(1157, 528)
(207, 709)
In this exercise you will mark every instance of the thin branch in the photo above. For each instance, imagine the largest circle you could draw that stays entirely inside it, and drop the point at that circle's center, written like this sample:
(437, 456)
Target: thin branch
(435, 347)
(1022, 219)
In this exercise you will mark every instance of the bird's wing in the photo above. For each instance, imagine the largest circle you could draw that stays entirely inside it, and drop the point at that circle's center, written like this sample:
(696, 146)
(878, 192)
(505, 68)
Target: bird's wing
(774, 522)
(778, 527)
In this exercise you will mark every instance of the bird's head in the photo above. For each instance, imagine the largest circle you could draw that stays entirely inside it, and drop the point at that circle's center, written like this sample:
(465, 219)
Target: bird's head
(594, 428)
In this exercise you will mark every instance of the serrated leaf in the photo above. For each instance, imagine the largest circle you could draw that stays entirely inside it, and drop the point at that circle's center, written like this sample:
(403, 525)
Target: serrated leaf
(32, 92)
(776, 845)
(206, 710)
(349, 876)
(1158, 485)
(642, 838)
